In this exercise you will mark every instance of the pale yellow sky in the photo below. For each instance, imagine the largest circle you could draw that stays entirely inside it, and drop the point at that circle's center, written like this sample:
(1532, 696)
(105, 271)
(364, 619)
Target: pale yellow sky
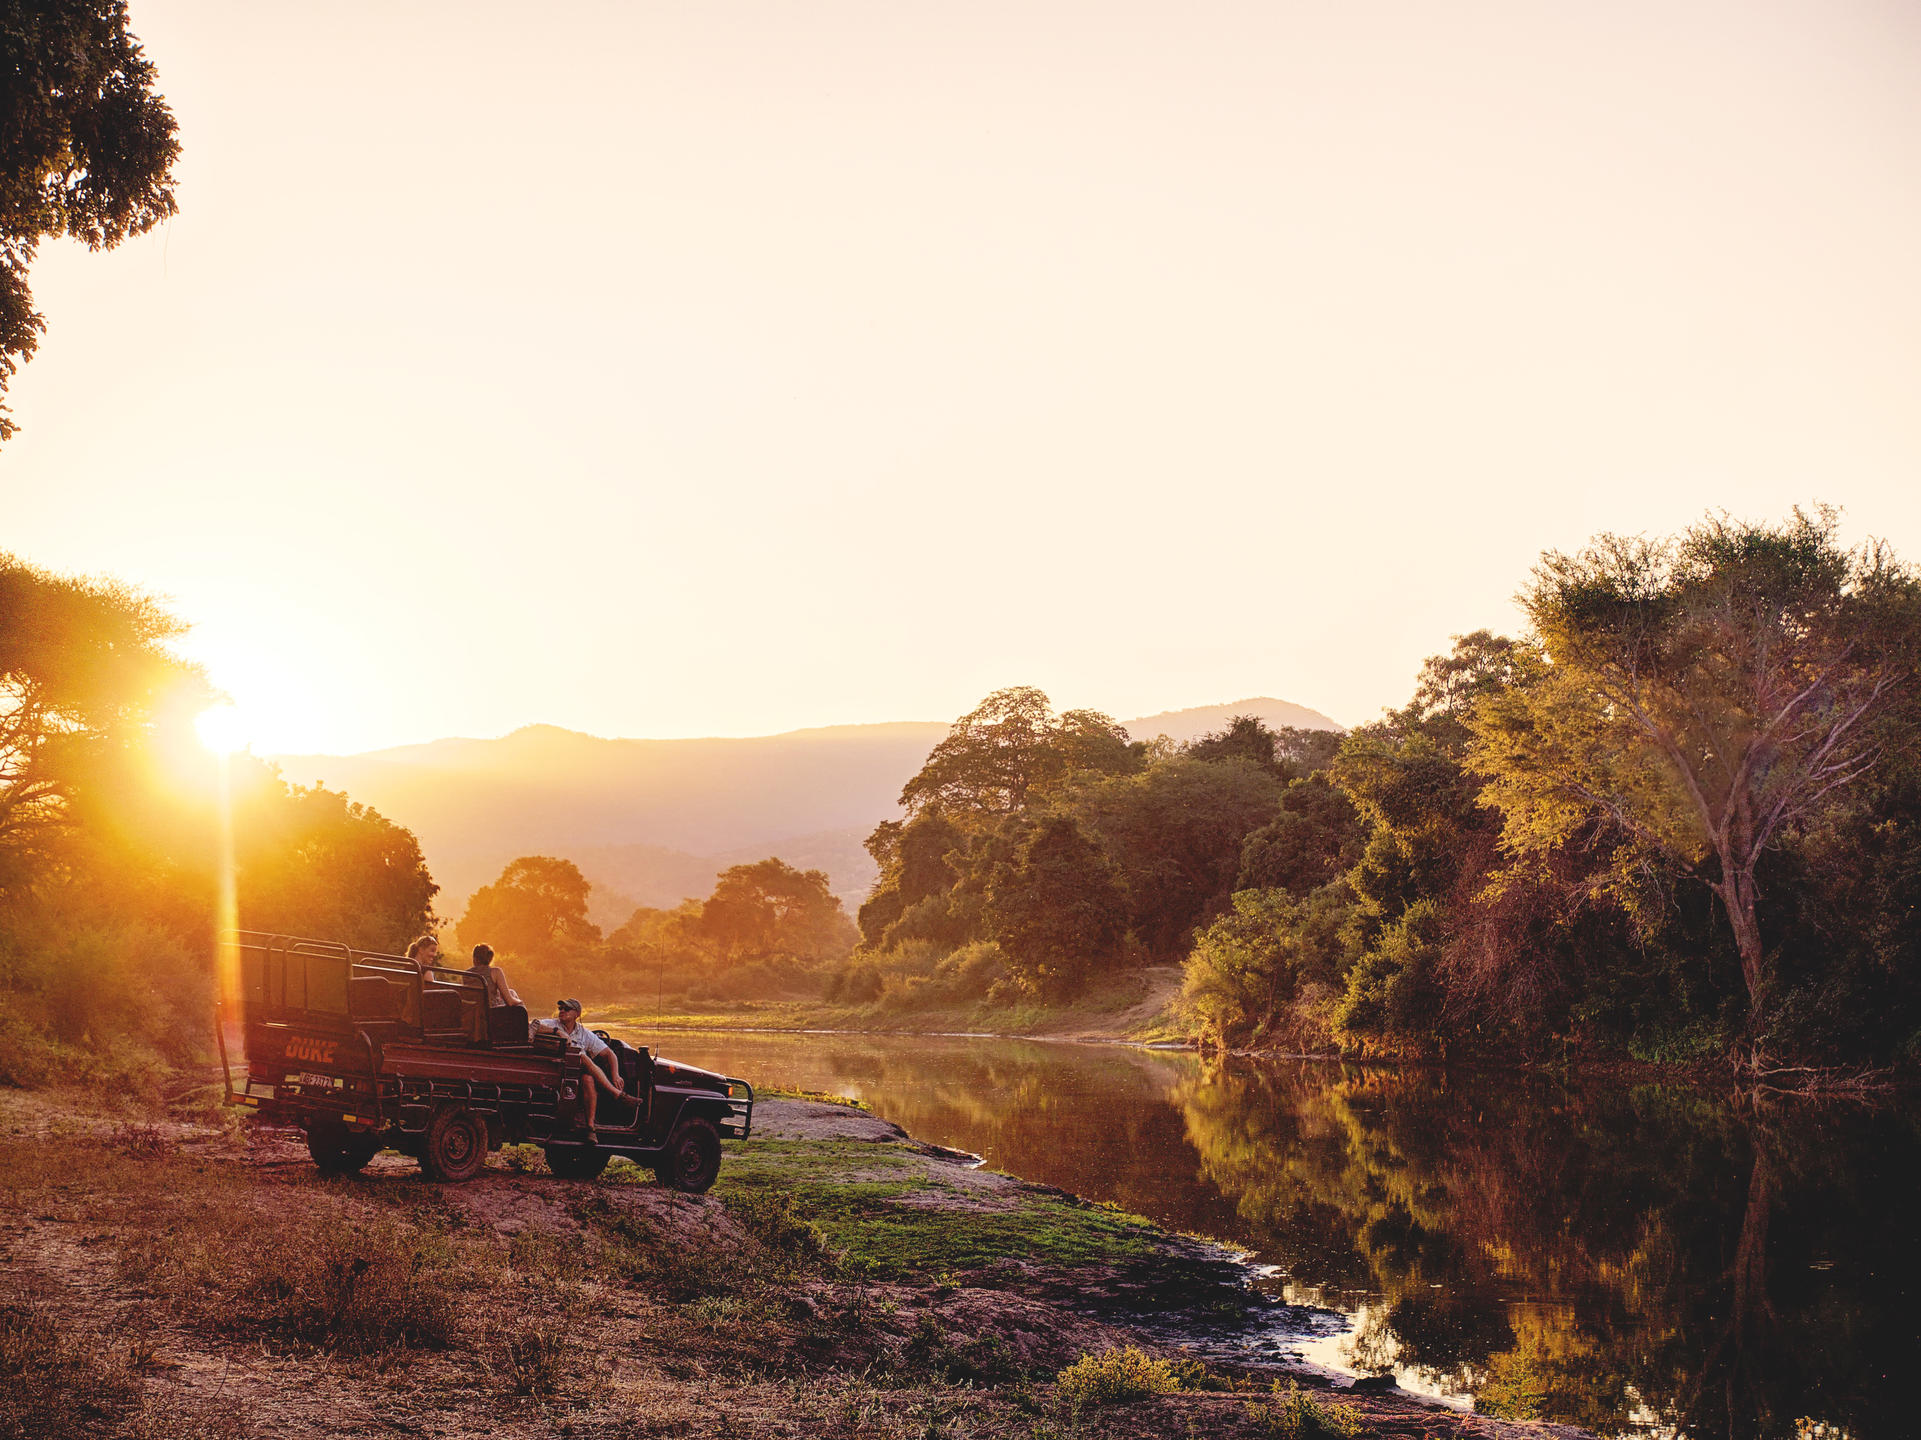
(720, 369)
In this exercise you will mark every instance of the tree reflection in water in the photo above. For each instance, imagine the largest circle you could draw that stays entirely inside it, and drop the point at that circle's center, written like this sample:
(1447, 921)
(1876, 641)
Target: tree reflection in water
(1620, 1258)
(1628, 1258)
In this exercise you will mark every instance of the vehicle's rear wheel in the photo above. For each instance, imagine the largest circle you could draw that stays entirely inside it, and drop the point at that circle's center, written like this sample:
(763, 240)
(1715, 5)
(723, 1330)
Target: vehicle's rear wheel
(340, 1151)
(691, 1160)
(576, 1162)
(455, 1146)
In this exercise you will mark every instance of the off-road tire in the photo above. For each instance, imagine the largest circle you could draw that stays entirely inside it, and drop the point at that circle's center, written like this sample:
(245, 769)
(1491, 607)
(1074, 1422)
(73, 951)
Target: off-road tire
(691, 1160)
(576, 1162)
(340, 1151)
(455, 1145)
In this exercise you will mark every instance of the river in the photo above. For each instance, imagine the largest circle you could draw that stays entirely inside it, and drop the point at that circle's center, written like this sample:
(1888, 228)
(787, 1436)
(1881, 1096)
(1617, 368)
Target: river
(1642, 1260)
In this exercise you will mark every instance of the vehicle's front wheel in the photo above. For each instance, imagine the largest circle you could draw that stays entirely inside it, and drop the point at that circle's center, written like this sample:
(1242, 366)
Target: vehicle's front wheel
(455, 1147)
(576, 1162)
(340, 1151)
(691, 1160)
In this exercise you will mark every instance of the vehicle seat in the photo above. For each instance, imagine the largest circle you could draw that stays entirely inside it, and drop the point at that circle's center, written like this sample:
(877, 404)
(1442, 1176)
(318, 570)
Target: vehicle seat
(369, 997)
(507, 1025)
(440, 1008)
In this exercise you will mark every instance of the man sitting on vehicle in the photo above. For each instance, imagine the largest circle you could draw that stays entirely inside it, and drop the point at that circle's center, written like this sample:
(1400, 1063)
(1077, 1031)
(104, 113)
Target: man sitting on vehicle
(601, 1072)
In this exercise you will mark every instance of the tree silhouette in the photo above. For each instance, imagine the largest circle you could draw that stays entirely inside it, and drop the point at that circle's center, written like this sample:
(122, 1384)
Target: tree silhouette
(86, 148)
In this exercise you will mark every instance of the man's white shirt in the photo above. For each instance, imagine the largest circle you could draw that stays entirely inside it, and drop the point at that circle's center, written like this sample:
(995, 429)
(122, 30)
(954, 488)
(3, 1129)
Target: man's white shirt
(590, 1043)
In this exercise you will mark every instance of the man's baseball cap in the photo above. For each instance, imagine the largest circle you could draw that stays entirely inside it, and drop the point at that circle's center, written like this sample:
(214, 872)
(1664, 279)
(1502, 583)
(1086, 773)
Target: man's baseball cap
(573, 1005)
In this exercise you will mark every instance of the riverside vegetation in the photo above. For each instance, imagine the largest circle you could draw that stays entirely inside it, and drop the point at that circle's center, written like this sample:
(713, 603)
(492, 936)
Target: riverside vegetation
(1679, 821)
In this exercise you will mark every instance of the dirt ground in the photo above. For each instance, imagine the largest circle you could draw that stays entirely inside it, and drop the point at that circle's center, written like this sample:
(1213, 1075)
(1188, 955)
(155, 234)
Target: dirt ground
(175, 1278)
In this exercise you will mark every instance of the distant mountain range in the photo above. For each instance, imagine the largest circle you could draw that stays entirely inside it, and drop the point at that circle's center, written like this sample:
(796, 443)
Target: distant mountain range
(650, 822)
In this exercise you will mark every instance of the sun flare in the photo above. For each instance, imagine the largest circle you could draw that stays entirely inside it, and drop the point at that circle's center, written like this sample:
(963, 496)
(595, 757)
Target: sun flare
(221, 729)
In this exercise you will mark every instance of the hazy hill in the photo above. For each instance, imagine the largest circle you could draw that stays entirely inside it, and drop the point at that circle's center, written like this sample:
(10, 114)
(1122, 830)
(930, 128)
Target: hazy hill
(651, 821)
(1192, 724)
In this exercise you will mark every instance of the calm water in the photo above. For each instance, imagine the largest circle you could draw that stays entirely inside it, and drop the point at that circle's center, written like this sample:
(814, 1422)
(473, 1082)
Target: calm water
(1640, 1260)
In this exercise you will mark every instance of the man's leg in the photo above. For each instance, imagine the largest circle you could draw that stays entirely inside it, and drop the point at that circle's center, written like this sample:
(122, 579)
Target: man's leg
(605, 1059)
(601, 1064)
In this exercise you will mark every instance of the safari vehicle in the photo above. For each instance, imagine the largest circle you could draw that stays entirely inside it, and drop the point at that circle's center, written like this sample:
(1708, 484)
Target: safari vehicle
(364, 1051)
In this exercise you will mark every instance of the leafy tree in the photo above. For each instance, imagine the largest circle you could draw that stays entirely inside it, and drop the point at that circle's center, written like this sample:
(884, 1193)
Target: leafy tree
(1174, 834)
(1250, 966)
(537, 909)
(770, 909)
(1426, 844)
(1244, 737)
(1451, 685)
(84, 672)
(88, 148)
(1305, 751)
(916, 864)
(1705, 696)
(1009, 746)
(1315, 838)
(651, 932)
(1055, 910)
(311, 862)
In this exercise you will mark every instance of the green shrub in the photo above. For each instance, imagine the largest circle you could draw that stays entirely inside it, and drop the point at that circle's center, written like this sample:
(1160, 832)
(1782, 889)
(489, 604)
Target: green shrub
(1114, 1376)
(1673, 1044)
(1296, 1415)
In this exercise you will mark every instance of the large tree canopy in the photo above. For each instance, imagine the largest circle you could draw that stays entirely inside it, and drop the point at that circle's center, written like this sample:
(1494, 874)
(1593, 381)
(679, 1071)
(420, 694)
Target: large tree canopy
(1056, 910)
(86, 147)
(1703, 696)
(1010, 745)
(536, 910)
(770, 909)
(83, 669)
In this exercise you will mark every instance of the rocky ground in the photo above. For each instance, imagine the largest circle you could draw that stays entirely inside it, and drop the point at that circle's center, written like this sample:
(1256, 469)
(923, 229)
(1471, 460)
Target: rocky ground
(176, 1278)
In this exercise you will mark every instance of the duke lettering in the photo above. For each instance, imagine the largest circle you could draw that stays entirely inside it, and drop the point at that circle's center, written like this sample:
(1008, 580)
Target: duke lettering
(315, 1052)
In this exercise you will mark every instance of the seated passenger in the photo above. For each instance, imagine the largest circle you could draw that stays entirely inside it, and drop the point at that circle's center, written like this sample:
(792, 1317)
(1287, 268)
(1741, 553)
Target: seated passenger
(499, 992)
(424, 952)
(601, 1071)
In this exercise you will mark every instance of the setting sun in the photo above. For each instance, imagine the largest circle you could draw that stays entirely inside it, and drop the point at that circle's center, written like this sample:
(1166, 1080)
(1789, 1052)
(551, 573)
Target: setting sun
(221, 729)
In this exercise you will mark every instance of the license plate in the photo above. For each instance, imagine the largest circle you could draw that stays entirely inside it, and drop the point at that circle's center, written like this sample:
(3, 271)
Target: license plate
(317, 1082)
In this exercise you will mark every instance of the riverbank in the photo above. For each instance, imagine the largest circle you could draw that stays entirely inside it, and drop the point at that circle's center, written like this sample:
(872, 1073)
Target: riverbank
(195, 1277)
(1135, 1007)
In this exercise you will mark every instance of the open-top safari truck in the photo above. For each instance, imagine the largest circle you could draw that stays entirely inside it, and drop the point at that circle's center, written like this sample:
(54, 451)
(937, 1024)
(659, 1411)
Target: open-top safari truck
(365, 1051)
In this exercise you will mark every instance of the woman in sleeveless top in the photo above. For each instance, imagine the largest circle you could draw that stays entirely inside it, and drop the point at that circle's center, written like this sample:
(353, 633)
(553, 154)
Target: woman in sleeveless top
(499, 992)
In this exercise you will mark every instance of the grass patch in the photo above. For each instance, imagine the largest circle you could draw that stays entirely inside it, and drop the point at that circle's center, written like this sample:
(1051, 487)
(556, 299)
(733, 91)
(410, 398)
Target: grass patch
(535, 1357)
(789, 1239)
(1297, 1415)
(818, 1097)
(323, 1275)
(981, 1359)
(59, 1382)
(329, 1283)
(879, 1237)
(523, 1159)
